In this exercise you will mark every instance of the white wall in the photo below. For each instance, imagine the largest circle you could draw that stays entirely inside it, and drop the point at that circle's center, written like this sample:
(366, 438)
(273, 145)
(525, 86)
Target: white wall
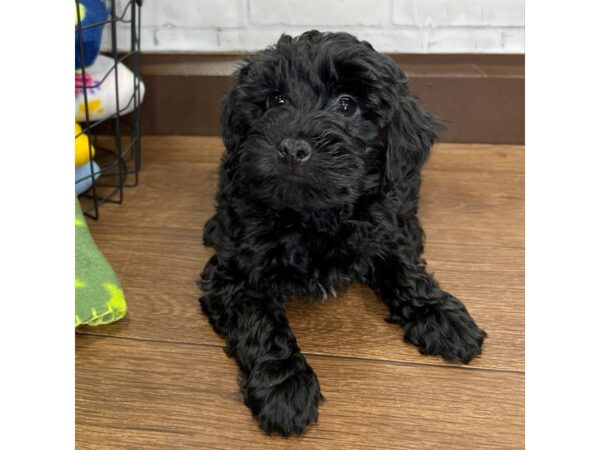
(411, 26)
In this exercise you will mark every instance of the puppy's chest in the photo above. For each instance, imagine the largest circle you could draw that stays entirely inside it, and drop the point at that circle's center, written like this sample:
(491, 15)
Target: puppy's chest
(312, 263)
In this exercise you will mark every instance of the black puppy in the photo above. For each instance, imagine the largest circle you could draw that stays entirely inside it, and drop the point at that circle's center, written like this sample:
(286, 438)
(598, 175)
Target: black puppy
(319, 187)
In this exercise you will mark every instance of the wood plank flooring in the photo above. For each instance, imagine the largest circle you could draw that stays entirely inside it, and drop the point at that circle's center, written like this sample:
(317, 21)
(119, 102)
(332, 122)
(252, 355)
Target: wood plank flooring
(159, 378)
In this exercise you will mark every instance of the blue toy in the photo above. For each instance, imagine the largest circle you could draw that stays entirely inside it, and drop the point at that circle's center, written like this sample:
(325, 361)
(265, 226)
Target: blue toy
(83, 176)
(90, 12)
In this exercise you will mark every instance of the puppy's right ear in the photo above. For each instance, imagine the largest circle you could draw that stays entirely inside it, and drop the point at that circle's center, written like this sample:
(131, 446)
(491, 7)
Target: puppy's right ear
(231, 137)
(233, 121)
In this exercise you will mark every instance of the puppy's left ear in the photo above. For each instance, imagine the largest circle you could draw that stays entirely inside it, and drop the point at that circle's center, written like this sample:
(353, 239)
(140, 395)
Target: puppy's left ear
(410, 136)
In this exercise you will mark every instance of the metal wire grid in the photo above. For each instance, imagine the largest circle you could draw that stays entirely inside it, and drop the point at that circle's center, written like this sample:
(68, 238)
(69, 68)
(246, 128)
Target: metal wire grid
(119, 156)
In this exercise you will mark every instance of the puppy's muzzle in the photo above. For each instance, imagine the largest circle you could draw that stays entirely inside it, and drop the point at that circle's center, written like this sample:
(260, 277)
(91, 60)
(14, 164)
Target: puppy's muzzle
(294, 150)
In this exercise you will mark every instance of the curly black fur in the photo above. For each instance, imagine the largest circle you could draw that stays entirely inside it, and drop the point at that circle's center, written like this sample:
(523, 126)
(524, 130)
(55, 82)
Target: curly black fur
(318, 188)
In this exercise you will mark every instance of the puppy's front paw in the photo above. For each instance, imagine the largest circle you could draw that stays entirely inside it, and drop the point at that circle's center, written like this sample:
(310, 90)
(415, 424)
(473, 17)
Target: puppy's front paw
(283, 395)
(450, 333)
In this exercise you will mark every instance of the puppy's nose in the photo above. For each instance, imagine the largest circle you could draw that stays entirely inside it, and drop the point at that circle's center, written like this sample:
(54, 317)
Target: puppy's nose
(294, 150)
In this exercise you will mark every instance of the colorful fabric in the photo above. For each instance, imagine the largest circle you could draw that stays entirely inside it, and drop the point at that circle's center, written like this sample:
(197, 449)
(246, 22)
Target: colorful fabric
(99, 298)
(101, 90)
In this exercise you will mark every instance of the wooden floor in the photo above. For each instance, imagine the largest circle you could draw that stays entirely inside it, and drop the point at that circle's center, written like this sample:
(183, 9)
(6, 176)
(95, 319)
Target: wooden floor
(159, 377)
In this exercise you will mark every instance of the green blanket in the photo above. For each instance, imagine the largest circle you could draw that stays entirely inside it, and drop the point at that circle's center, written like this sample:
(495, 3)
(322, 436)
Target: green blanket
(99, 298)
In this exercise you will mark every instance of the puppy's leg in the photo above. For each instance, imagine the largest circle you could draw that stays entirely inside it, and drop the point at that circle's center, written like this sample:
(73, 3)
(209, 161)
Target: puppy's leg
(433, 320)
(278, 385)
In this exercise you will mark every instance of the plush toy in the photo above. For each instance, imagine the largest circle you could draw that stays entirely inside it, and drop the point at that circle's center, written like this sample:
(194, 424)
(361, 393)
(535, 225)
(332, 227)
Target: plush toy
(82, 147)
(90, 12)
(99, 298)
(100, 82)
(83, 165)
(83, 176)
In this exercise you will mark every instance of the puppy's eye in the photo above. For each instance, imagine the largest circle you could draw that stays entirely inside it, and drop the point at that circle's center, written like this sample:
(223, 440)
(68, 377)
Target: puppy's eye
(275, 100)
(347, 106)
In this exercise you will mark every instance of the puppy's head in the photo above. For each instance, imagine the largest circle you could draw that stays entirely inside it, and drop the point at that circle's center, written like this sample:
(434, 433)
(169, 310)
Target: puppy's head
(318, 120)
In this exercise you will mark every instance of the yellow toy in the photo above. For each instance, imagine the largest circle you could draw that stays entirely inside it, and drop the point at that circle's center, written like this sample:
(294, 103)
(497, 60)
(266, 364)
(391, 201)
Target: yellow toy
(82, 151)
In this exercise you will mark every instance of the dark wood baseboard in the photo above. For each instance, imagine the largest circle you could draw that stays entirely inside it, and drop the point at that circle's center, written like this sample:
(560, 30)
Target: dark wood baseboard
(480, 97)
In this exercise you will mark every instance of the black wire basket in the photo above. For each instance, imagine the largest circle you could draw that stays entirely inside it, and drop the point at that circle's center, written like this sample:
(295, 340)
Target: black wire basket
(113, 141)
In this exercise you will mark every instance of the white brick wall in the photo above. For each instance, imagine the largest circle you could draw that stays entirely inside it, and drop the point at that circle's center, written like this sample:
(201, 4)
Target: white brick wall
(312, 13)
(410, 26)
(194, 14)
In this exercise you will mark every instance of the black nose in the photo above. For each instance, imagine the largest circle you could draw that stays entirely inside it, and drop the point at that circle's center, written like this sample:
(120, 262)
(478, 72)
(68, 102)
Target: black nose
(294, 150)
